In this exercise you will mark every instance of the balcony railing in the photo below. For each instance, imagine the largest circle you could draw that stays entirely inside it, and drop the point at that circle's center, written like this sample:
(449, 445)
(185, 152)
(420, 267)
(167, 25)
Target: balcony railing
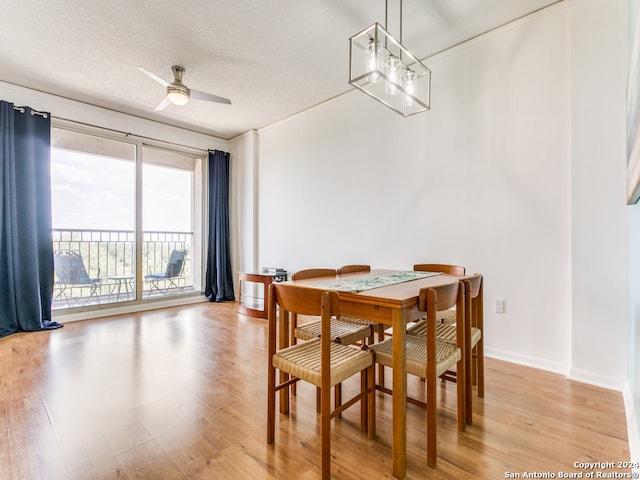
(109, 255)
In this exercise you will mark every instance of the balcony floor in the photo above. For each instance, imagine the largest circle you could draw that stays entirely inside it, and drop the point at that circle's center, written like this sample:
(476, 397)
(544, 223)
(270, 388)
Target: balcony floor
(109, 299)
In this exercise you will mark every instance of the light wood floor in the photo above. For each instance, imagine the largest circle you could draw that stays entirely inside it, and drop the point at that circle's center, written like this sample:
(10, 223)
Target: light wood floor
(181, 393)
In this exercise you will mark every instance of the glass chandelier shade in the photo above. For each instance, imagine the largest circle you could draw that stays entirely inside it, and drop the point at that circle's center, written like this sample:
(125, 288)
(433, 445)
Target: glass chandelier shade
(383, 68)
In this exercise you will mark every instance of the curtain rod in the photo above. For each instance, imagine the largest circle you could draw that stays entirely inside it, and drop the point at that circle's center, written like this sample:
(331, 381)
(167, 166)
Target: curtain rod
(33, 112)
(129, 134)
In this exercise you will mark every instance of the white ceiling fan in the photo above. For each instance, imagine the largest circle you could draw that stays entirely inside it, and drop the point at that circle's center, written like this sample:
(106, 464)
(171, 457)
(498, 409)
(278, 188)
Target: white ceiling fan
(178, 93)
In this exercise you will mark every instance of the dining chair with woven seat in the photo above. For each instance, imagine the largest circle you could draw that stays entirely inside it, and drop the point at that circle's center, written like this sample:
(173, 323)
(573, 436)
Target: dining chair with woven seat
(476, 320)
(444, 316)
(321, 362)
(376, 327)
(345, 332)
(439, 267)
(428, 358)
(474, 343)
(345, 269)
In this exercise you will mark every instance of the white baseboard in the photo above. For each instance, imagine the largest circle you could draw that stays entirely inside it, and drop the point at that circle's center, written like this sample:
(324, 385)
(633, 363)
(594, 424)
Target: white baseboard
(555, 367)
(535, 362)
(598, 380)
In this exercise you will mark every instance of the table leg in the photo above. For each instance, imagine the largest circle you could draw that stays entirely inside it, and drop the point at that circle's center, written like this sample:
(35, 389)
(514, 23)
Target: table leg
(399, 445)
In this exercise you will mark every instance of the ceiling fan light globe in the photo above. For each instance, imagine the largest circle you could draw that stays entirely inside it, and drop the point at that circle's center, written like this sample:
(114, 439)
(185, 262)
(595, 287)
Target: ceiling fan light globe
(178, 98)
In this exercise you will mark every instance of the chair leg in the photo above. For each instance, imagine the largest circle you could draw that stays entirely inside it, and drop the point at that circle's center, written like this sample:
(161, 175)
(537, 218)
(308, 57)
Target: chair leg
(325, 433)
(292, 341)
(155, 286)
(371, 402)
(380, 367)
(63, 293)
(431, 422)
(380, 332)
(479, 309)
(94, 291)
(338, 396)
(171, 282)
(271, 406)
(284, 394)
(463, 408)
(465, 377)
(381, 375)
(474, 366)
(480, 360)
(364, 403)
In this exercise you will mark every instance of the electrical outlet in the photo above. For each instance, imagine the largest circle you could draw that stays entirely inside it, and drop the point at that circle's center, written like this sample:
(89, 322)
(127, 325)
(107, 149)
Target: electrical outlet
(499, 305)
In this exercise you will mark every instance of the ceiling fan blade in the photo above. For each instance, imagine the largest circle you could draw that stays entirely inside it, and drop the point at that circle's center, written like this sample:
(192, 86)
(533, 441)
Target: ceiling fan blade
(163, 104)
(198, 95)
(161, 81)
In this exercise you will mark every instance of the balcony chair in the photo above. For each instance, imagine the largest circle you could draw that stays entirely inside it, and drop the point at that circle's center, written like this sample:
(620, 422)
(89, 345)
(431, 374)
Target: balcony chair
(428, 358)
(70, 272)
(175, 266)
(321, 362)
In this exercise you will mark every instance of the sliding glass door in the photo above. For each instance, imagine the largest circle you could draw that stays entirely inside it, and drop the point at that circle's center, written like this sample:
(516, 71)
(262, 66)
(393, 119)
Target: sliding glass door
(93, 210)
(171, 207)
(126, 220)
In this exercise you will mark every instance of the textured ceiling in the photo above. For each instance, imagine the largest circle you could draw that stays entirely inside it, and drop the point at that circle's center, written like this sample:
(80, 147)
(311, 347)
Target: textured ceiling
(272, 58)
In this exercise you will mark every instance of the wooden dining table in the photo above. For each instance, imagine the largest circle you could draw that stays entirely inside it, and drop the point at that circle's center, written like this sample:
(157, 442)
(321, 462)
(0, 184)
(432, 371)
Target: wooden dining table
(394, 305)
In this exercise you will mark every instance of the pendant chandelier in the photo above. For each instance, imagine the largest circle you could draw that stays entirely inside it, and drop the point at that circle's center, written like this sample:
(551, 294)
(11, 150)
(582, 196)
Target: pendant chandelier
(383, 68)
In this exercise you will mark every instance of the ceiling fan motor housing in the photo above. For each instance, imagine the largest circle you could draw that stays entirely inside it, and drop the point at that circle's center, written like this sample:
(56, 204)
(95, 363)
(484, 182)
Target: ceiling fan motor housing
(178, 88)
(177, 91)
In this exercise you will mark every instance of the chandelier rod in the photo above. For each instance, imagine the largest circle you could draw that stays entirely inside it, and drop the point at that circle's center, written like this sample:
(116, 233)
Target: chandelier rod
(386, 21)
(400, 25)
(386, 15)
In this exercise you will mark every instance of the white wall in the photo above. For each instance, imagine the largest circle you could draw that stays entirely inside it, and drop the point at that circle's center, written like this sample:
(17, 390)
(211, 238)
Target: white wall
(516, 172)
(599, 42)
(482, 180)
(244, 203)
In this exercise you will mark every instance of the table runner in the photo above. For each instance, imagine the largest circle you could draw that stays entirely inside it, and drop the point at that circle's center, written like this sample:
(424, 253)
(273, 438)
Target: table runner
(360, 283)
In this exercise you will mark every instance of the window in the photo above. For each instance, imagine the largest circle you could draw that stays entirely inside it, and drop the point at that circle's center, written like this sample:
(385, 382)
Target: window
(171, 205)
(126, 220)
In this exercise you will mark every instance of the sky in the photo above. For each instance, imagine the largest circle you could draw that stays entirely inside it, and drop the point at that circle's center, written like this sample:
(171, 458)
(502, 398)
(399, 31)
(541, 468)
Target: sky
(98, 193)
